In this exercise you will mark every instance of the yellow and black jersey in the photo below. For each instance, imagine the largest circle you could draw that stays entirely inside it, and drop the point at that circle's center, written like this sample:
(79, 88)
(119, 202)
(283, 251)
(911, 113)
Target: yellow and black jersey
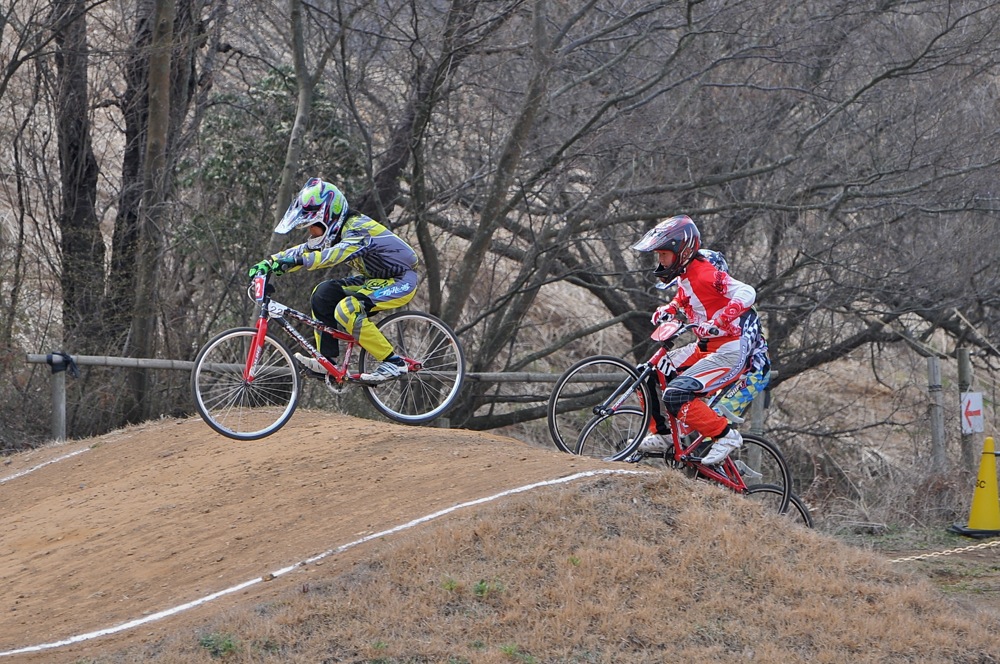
(367, 246)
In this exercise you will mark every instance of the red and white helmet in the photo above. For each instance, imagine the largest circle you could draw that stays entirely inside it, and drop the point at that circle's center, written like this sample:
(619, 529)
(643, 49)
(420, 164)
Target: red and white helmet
(679, 238)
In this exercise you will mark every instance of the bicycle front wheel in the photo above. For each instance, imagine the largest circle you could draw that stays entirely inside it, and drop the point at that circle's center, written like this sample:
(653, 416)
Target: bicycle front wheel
(428, 392)
(615, 436)
(232, 404)
(586, 385)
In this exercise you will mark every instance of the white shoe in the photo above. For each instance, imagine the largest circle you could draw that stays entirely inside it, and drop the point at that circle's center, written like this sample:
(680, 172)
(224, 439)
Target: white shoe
(385, 371)
(310, 363)
(654, 442)
(722, 447)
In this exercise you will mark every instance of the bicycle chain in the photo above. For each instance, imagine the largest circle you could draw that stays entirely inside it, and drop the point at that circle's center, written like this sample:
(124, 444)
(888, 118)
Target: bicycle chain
(938, 554)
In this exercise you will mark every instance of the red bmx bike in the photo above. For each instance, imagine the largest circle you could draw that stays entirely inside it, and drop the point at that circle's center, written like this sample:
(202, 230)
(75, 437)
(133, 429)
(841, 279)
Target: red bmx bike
(246, 383)
(600, 407)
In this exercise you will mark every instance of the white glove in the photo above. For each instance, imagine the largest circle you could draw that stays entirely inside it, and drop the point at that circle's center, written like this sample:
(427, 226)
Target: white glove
(661, 315)
(706, 329)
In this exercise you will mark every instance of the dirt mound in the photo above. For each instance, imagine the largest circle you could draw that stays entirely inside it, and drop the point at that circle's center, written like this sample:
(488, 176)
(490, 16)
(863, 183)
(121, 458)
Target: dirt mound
(139, 538)
(101, 532)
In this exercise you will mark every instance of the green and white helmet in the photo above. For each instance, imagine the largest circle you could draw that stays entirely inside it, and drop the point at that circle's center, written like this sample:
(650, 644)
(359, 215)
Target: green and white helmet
(318, 203)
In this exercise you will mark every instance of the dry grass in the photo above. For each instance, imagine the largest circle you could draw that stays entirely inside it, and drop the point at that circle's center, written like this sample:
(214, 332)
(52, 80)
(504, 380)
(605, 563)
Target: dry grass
(620, 569)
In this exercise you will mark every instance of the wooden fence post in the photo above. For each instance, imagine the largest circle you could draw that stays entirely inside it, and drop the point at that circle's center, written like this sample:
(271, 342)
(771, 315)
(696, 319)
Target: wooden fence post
(939, 461)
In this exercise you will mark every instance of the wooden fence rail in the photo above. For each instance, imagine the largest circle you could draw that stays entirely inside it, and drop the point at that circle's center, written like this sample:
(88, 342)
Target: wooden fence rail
(62, 363)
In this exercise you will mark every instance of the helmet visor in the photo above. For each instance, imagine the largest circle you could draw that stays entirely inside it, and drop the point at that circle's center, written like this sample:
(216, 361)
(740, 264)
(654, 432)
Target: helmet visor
(649, 241)
(299, 216)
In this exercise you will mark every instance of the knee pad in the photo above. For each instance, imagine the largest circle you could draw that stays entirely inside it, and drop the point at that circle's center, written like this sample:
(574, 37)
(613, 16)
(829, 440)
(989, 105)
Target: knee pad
(348, 311)
(680, 391)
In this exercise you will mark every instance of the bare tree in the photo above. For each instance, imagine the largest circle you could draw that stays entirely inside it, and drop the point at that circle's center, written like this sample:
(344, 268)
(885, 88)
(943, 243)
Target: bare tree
(81, 242)
(154, 196)
(305, 81)
(838, 153)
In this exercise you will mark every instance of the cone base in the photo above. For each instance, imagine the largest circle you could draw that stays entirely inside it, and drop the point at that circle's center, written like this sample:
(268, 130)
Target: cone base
(973, 532)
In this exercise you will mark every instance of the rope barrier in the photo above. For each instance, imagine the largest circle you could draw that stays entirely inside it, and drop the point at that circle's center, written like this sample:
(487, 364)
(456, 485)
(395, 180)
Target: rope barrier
(938, 554)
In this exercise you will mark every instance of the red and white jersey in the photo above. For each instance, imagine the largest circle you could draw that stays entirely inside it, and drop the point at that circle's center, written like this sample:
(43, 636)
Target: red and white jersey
(705, 293)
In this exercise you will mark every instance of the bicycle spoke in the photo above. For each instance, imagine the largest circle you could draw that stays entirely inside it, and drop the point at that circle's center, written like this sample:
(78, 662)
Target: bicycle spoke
(760, 462)
(586, 385)
(233, 406)
(613, 436)
(426, 393)
(770, 496)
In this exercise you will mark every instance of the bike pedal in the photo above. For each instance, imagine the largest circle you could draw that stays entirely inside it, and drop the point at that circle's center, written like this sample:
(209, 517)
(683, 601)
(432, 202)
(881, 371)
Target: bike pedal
(356, 378)
(335, 386)
(314, 374)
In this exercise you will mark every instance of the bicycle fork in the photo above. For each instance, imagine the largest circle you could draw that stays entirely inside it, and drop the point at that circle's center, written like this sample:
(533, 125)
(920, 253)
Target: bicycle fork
(256, 349)
(611, 405)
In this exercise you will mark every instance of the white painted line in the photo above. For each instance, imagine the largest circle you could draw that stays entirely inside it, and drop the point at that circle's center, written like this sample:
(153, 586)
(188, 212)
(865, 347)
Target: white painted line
(41, 465)
(284, 570)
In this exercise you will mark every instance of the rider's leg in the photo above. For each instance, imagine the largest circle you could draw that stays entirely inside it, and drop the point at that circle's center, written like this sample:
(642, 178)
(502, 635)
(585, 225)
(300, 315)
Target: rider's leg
(325, 297)
(751, 387)
(353, 314)
(708, 372)
(658, 437)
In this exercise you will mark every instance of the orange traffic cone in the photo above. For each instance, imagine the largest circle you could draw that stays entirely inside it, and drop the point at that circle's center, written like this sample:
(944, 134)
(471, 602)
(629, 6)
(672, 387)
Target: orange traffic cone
(984, 517)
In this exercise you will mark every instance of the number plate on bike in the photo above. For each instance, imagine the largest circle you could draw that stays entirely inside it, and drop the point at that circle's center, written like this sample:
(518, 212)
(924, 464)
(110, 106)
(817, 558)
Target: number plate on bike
(666, 331)
(258, 287)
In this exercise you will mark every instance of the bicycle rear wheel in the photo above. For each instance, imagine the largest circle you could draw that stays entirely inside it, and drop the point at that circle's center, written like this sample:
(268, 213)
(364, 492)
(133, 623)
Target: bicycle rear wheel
(427, 393)
(234, 406)
(759, 461)
(770, 496)
(581, 388)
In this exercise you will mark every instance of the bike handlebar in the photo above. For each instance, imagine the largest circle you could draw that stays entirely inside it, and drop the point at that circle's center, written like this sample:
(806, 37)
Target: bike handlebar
(670, 330)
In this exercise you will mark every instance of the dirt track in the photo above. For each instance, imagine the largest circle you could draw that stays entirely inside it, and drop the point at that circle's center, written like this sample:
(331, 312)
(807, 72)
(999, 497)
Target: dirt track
(140, 521)
(97, 533)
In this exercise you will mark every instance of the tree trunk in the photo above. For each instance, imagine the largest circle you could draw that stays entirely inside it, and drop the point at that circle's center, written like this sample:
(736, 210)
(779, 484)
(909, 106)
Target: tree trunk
(153, 210)
(81, 244)
(507, 165)
(305, 84)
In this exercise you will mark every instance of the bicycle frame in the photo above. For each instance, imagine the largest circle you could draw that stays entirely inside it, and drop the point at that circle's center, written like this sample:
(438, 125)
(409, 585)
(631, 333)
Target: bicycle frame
(684, 454)
(246, 381)
(272, 310)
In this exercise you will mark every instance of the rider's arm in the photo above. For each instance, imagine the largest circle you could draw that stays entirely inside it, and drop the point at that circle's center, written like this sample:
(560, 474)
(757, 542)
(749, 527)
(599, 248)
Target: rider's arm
(335, 255)
(314, 259)
(291, 258)
(741, 297)
(679, 303)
